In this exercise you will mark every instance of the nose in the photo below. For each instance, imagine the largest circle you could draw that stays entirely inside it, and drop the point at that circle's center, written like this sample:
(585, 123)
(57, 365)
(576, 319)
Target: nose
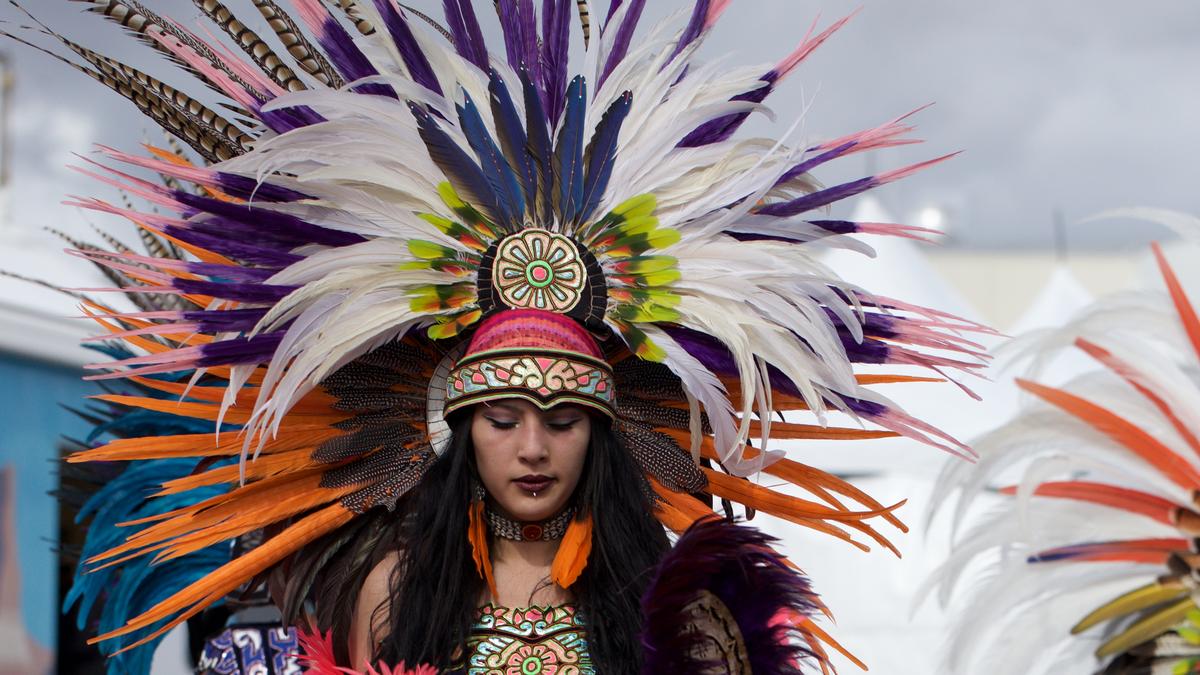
(535, 444)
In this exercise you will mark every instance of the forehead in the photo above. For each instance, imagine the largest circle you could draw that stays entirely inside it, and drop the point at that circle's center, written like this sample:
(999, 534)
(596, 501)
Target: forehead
(519, 406)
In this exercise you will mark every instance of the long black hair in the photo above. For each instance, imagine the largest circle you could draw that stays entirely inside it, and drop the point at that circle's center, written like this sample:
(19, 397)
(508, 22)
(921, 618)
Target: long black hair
(435, 589)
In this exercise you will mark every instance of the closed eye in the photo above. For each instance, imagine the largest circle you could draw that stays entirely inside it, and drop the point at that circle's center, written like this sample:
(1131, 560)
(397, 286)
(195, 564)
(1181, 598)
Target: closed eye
(500, 424)
(562, 425)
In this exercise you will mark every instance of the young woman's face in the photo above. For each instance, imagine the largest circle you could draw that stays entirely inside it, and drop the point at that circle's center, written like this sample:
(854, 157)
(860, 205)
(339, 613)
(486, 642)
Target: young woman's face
(529, 459)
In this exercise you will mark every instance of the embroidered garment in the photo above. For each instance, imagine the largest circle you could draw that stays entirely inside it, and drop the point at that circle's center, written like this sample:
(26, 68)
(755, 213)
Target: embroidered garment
(528, 641)
(251, 650)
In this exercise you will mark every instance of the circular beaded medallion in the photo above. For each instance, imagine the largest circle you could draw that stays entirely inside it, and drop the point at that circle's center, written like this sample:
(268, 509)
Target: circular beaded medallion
(538, 269)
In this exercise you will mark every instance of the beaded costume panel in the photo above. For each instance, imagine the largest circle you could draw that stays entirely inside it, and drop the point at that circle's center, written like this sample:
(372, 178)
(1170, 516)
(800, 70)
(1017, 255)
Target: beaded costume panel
(528, 641)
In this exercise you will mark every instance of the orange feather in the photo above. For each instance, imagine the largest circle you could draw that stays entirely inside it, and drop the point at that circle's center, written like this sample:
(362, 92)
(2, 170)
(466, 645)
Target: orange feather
(573, 551)
(1126, 372)
(477, 535)
(203, 445)
(1121, 430)
(1187, 313)
(219, 583)
(777, 503)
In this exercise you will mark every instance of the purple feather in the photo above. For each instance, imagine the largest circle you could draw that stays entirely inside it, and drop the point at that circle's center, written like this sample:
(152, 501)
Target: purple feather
(464, 28)
(510, 25)
(830, 226)
(226, 320)
(693, 29)
(816, 200)
(613, 6)
(292, 117)
(341, 50)
(253, 292)
(519, 23)
(406, 43)
(265, 223)
(721, 128)
(624, 37)
(813, 162)
(738, 566)
(231, 272)
(233, 248)
(556, 35)
(868, 409)
(244, 187)
(258, 349)
(717, 358)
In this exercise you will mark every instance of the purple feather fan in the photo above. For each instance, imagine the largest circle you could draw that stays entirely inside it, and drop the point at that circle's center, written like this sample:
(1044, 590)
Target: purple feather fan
(736, 564)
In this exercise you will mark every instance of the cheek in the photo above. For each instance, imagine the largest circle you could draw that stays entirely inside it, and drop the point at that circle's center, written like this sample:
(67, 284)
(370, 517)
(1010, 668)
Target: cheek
(488, 452)
(574, 455)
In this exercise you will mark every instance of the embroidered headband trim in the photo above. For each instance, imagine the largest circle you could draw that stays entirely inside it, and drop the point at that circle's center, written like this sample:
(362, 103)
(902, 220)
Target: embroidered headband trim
(544, 377)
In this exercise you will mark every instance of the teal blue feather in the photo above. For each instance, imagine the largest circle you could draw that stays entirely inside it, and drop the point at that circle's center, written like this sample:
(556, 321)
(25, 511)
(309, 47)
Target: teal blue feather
(512, 137)
(109, 597)
(568, 153)
(537, 135)
(463, 173)
(496, 170)
(601, 153)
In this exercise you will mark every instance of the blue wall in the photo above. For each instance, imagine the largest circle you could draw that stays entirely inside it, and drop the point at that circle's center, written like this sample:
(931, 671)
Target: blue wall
(32, 422)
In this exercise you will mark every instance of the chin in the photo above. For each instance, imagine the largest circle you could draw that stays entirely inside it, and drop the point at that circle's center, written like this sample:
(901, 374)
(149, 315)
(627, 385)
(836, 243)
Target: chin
(526, 508)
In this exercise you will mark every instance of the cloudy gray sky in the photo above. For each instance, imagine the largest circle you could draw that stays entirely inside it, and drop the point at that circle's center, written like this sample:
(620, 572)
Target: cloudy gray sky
(1075, 105)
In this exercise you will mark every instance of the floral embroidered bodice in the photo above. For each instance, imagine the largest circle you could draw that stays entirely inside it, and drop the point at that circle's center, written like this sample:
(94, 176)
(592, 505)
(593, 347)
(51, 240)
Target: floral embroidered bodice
(527, 641)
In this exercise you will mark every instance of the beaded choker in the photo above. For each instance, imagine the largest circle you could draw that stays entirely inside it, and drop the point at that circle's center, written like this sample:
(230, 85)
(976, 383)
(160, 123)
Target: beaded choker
(547, 530)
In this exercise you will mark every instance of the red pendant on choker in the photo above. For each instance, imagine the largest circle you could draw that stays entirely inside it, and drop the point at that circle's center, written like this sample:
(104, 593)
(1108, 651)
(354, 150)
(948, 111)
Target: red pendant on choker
(547, 530)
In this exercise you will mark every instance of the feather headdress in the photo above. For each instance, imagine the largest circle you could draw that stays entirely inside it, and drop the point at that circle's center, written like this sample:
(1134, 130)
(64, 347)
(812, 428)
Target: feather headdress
(367, 194)
(1093, 546)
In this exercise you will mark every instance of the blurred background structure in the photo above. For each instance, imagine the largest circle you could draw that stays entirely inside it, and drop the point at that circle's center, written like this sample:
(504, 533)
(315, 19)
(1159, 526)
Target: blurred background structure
(1063, 110)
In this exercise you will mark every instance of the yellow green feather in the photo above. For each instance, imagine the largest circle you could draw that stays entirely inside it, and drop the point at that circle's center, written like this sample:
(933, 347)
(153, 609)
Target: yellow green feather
(428, 250)
(1136, 600)
(1147, 628)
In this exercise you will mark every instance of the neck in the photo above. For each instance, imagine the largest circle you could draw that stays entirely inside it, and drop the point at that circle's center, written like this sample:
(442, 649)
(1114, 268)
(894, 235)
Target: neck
(535, 553)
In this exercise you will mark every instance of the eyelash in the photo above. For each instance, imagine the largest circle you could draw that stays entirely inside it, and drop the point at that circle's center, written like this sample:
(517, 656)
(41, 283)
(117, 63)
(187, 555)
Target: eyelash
(554, 426)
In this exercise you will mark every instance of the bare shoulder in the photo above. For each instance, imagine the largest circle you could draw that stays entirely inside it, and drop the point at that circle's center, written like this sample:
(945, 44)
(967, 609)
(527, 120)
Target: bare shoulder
(371, 610)
(378, 583)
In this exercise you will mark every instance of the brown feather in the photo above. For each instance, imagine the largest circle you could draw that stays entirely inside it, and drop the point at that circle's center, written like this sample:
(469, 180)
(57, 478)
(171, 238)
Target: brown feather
(141, 22)
(350, 9)
(254, 47)
(308, 57)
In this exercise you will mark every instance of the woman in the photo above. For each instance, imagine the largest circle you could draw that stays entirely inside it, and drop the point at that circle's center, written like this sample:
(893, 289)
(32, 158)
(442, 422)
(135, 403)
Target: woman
(398, 232)
(538, 471)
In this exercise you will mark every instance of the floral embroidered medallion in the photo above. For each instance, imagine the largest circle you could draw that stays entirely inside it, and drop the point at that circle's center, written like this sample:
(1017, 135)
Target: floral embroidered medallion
(533, 641)
(538, 269)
